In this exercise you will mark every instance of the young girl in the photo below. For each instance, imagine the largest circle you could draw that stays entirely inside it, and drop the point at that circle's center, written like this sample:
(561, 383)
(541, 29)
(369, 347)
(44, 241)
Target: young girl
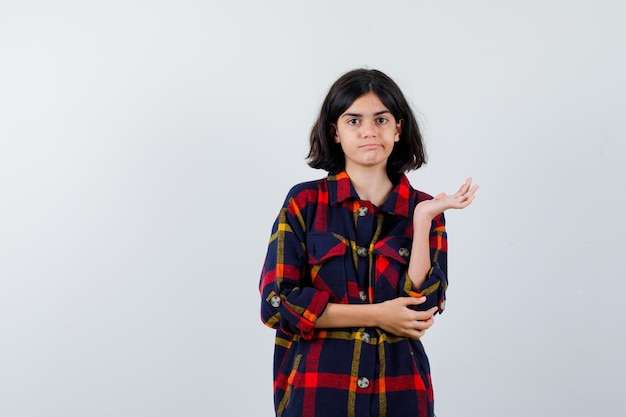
(356, 265)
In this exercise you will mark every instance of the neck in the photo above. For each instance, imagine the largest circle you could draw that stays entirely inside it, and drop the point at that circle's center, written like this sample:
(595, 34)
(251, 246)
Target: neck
(371, 185)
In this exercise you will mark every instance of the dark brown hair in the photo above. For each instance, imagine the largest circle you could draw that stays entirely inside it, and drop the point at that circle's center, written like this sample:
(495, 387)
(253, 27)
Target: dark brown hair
(408, 153)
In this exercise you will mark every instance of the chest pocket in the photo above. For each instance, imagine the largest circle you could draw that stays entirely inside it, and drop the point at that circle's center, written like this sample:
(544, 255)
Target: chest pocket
(394, 248)
(391, 257)
(327, 264)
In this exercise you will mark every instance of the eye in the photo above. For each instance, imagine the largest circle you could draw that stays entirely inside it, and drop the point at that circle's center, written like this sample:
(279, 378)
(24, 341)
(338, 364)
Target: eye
(353, 121)
(382, 120)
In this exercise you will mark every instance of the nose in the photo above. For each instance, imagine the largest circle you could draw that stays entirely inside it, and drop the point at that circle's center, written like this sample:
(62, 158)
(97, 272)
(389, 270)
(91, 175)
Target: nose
(368, 128)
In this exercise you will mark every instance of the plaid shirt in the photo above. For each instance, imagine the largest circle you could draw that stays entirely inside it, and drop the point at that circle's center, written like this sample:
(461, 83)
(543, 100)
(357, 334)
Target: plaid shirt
(327, 246)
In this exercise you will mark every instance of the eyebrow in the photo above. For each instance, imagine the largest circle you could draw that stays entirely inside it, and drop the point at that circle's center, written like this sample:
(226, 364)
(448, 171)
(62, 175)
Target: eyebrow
(378, 113)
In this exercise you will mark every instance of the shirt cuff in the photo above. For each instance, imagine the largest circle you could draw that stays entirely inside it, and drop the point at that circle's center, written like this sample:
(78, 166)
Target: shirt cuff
(434, 289)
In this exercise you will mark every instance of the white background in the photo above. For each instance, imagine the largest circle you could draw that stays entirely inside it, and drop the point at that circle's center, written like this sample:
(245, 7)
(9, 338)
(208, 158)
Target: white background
(146, 147)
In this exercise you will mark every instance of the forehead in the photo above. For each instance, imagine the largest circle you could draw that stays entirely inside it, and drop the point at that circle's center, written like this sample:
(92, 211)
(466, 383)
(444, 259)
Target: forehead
(366, 104)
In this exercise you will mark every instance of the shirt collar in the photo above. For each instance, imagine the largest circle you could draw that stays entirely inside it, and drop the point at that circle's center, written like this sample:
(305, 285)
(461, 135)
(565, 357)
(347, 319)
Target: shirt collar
(340, 189)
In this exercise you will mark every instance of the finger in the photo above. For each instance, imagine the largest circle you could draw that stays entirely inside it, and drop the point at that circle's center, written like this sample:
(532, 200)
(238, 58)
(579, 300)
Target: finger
(471, 190)
(426, 315)
(413, 300)
(465, 199)
(469, 196)
(412, 333)
(427, 324)
(466, 186)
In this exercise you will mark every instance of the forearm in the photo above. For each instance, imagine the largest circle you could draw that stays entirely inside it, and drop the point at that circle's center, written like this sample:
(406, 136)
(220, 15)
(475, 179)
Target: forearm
(419, 264)
(348, 315)
(394, 316)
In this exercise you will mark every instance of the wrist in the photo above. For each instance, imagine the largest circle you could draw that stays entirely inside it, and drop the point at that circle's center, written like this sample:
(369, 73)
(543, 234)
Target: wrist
(375, 313)
(421, 218)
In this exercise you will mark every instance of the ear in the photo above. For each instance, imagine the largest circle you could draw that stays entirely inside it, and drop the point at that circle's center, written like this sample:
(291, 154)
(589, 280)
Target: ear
(399, 129)
(334, 132)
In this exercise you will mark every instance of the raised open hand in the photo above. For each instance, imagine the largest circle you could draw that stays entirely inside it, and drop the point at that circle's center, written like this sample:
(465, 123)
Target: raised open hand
(442, 202)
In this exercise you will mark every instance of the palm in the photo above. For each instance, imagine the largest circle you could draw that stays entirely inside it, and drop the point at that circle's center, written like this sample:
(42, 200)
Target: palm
(442, 202)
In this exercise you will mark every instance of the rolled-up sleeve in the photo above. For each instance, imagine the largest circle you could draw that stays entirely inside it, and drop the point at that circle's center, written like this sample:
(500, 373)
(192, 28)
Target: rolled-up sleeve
(436, 284)
(287, 302)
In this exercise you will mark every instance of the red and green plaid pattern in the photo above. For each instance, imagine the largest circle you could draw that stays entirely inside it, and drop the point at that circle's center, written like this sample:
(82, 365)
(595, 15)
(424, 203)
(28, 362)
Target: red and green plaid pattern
(329, 246)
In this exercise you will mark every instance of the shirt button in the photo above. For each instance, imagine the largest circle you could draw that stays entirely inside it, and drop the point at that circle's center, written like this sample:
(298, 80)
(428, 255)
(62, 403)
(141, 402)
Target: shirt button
(363, 211)
(362, 295)
(404, 252)
(361, 251)
(363, 382)
(275, 301)
(365, 337)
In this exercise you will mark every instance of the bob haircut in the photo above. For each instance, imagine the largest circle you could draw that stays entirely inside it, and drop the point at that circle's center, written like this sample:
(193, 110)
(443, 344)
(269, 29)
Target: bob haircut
(408, 153)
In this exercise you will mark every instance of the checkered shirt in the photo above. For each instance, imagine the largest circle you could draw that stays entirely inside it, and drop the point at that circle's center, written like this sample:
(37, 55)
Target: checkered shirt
(328, 246)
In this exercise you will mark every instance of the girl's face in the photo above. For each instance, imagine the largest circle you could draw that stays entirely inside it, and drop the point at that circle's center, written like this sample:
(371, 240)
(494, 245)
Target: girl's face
(367, 132)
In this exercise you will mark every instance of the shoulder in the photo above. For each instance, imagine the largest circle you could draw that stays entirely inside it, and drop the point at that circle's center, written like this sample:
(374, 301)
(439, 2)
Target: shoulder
(421, 196)
(306, 192)
(305, 187)
(414, 194)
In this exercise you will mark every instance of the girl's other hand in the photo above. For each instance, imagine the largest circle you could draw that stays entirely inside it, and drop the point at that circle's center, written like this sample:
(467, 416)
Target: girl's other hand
(396, 317)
